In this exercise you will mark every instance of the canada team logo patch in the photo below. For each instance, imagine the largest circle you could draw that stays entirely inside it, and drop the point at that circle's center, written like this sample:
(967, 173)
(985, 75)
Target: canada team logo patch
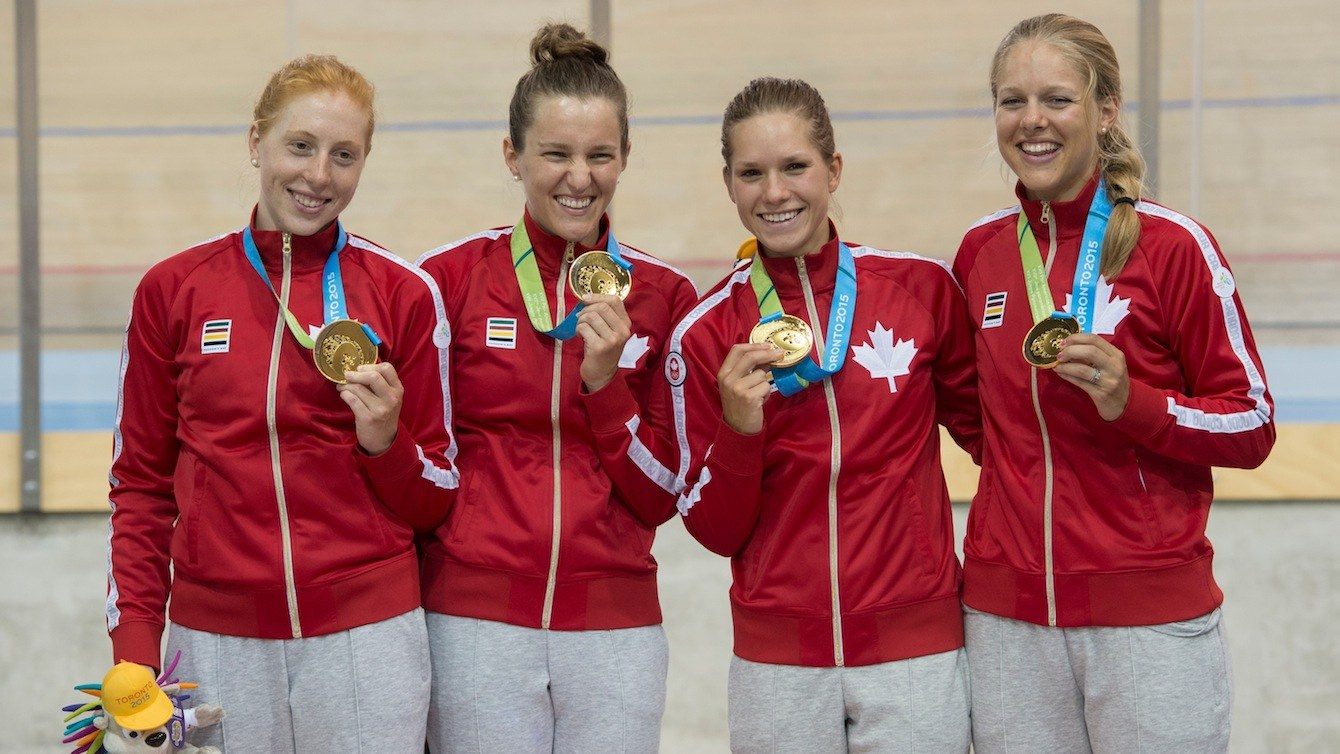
(994, 313)
(500, 332)
(674, 369)
(216, 336)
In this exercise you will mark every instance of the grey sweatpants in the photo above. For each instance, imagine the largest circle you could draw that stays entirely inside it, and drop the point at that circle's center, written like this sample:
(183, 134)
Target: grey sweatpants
(504, 688)
(916, 705)
(361, 690)
(1163, 688)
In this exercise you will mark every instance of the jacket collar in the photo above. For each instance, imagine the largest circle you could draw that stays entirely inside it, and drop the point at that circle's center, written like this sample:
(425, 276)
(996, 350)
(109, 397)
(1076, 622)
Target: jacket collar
(820, 266)
(1068, 217)
(549, 248)
(307, 251)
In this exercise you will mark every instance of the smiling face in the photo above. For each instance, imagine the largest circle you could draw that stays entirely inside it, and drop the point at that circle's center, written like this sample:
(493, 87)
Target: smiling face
(1047, 123)
(310, 157)
(570, 164)
(780, 183)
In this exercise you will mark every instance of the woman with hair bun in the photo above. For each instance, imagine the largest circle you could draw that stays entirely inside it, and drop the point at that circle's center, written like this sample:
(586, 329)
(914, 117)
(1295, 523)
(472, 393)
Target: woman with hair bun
(806, 388)
(544, 621)
(266, 474)
(1117, 367)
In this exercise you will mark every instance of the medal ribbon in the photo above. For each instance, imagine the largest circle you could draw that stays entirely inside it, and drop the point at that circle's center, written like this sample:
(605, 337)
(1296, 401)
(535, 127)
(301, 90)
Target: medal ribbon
(793, 379)
(532, 289)
(1085, 286)
(331, 282)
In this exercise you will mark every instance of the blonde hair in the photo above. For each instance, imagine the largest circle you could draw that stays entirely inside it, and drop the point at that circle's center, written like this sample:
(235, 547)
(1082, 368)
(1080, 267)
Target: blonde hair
(774, 95)
(565, 62)
(1119, 160)
(308, 74)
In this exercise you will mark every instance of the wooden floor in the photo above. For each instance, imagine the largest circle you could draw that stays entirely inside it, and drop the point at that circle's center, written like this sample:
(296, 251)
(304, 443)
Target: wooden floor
(144, 107)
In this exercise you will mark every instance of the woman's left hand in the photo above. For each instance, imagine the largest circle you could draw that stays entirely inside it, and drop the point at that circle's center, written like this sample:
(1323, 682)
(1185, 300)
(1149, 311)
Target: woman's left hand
(375, 394)
(605, 327)
(1098, 368)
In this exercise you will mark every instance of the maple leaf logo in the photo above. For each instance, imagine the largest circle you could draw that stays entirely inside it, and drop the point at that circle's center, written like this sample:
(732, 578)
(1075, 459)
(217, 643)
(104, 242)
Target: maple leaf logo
(633, 351)
(884, 359)
(1111, 309)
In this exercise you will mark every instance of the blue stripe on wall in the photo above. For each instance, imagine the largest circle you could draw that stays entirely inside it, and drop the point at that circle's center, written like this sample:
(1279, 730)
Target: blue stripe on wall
(711, 119)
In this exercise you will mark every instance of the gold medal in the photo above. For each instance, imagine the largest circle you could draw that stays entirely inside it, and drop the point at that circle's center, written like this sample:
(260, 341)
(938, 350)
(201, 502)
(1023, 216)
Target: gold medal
(788, 333)
(596, 272)
(1044, 341)
(342, 346)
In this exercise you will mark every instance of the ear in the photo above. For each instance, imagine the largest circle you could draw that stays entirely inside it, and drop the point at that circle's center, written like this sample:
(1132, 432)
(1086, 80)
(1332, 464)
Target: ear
(1108, 112)
(834, 172)
(510, 156)
(725, 178)
(254, 141)
(627, 150)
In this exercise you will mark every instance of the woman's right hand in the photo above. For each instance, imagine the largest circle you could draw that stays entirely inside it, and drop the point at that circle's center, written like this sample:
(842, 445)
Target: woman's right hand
(744, 386)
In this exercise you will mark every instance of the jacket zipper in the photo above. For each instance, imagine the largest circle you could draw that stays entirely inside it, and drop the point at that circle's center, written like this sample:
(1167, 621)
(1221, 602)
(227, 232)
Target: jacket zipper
(1049, 478)
(554, 395)
(271, 423)
(835, 465)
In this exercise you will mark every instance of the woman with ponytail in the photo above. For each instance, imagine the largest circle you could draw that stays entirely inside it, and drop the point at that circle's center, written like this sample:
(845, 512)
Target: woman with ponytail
(543, 617)
(806, 388)
(1116, 368)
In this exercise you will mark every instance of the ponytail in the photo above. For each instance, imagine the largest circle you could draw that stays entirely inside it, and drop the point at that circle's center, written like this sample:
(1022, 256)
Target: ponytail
(1123, 171)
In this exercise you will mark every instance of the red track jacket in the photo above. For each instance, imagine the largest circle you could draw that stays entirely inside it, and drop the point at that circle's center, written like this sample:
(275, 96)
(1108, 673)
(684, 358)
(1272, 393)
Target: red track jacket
(1081, 522)
(836, 517)
(542, 537)
(271, 524)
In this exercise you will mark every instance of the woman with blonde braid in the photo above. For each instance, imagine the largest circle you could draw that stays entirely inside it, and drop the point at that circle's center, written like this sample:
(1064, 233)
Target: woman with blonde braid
(1116, 367)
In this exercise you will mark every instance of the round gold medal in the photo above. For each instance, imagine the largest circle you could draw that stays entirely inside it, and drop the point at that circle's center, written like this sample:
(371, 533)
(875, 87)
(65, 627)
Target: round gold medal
(596, 272)
(788, 333)
(342, 346)
(1044, 341)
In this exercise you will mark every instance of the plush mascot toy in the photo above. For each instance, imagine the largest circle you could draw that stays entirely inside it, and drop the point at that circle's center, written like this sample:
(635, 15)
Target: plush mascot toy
(135, 712)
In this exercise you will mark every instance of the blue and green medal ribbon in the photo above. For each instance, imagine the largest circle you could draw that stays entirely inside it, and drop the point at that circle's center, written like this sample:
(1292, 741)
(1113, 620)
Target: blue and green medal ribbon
(332, 284)
(793, 379)
(532, 289)
(1084, 288)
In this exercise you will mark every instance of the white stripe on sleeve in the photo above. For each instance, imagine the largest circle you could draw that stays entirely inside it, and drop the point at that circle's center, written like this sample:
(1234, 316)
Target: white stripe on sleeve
(1242, 421)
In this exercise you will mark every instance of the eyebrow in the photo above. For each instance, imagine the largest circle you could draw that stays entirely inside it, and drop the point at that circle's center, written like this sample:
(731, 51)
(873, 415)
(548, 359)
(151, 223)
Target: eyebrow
(1051, 89)
(309, 136)
(798, 157)
(566, 146)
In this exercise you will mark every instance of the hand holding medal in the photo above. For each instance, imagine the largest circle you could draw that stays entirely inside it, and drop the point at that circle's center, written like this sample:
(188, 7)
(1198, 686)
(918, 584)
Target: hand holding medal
(744, 383)
(375, 394)
(1098, 368)
(605, 327)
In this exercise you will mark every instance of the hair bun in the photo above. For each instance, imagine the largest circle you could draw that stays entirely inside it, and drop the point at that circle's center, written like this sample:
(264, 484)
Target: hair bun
(556, 41)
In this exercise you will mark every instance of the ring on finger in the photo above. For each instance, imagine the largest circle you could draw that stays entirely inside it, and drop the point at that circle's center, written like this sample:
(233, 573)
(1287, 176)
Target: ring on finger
(1096, 377)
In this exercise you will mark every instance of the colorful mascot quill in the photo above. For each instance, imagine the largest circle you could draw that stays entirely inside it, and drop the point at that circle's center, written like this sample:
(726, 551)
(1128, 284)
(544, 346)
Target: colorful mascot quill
(135, 712)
